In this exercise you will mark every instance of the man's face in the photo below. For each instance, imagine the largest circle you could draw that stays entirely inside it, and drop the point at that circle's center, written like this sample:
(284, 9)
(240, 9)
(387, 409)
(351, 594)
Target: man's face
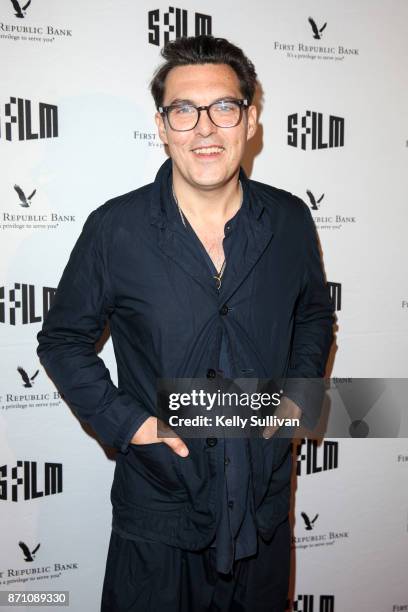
(193, 159)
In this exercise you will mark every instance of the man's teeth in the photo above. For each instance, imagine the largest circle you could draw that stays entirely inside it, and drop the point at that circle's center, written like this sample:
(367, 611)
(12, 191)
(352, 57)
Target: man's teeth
(208, 150)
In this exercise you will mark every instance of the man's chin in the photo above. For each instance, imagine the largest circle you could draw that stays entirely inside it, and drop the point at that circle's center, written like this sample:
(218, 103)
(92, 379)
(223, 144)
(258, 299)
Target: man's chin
(205, 178)
(209, 186)
(209, 180)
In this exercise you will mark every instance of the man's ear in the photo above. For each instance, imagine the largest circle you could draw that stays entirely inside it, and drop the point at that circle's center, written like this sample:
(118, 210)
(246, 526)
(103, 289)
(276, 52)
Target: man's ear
(252, 124)
(161, 128)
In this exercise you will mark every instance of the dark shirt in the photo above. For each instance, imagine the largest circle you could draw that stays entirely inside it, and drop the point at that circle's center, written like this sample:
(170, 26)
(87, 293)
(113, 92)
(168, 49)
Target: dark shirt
(236, 535)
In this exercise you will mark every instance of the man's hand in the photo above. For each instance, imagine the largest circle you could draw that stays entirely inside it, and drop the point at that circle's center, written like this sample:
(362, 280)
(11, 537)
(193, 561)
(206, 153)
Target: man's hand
(287, 409)
(147, 434)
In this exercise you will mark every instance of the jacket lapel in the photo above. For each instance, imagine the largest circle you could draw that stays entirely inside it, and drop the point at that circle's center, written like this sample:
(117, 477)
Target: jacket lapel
(258, 231)
(258, 234)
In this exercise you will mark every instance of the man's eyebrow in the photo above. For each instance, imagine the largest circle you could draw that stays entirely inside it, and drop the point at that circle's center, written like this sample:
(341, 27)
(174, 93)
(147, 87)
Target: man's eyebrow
(187, 101)
(181, 101)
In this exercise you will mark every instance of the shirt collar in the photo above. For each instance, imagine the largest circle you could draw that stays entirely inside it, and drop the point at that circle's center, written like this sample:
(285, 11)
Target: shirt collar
(164, 211)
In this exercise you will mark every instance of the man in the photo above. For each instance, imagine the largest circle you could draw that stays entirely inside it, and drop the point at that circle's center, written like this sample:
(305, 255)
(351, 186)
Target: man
(203, 273)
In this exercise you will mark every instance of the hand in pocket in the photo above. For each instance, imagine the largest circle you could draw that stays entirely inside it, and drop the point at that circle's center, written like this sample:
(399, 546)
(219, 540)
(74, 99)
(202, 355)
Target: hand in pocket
(147, 434)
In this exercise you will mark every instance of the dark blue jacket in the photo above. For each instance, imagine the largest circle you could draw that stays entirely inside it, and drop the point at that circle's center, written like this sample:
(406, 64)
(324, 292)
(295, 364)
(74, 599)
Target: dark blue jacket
(131, 268)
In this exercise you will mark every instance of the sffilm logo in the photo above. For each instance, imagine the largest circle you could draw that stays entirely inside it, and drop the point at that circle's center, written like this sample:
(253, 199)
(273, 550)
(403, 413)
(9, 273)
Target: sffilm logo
(306, 603)
(22, 299)
(313, 458)
(24, 480)
(18, 112)
(335, 294)
(175, 25)
(309, 130)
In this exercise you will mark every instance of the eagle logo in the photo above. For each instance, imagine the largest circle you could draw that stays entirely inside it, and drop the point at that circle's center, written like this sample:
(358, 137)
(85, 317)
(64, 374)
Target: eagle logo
(308, 523)
(313, 202)
(317, 33)
(28, 556)
(24, 201)
(26, 379)
(20, 10)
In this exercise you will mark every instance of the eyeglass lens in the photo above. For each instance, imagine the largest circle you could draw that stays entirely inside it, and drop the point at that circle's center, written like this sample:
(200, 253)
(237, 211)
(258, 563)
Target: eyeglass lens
(223, 114)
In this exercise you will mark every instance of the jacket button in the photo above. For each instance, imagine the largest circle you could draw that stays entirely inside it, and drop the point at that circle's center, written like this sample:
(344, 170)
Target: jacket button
(224, 309)
(211, 441)
(230, 505)
(211, 373)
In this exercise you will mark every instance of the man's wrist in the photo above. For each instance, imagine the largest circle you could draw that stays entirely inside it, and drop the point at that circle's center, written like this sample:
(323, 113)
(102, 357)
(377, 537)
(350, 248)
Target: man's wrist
(291, 409)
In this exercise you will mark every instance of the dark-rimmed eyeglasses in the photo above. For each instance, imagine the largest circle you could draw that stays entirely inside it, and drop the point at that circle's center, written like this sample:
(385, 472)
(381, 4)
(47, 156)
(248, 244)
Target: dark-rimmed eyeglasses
(182, 117)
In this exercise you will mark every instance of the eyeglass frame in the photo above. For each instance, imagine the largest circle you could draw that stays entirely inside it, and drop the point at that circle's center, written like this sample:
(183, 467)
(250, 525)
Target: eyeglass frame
(163, 110)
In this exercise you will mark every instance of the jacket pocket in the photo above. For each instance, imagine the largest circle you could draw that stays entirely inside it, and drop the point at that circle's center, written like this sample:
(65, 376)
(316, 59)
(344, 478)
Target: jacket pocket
(154, 465)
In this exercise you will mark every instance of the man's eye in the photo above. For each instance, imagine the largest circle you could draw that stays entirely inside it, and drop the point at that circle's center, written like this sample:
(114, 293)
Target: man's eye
(184, 110)
(225, 107)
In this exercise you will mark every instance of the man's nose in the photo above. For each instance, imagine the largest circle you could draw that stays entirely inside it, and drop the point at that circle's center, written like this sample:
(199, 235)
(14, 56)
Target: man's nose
(205, 126)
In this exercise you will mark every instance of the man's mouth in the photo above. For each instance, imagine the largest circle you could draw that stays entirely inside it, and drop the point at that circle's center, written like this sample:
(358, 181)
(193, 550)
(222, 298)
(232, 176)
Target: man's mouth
(209, 151)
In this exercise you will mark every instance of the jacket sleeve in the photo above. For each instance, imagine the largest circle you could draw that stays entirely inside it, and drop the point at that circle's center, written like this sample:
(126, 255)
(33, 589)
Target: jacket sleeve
(66, 343)
(313, 332)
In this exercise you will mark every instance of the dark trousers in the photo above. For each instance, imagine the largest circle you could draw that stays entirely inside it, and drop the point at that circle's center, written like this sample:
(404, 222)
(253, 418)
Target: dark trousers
(151, 577)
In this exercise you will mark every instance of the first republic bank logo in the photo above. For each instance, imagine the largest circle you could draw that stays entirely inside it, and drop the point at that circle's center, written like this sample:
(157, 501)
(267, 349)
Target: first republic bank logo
(29, 33)
(315, 49)
(31, 122)
(313, 131)
(174, 24)
(315, 540)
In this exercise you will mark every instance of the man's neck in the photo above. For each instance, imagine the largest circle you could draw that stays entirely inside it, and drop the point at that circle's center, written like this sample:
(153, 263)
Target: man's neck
(208, 206)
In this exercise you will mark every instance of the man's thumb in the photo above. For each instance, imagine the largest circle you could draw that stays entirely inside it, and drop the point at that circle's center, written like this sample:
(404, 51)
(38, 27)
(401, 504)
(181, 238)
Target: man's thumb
(177, 445)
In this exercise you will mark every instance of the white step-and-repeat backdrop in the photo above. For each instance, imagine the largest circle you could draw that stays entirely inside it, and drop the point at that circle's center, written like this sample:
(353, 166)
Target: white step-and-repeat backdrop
(76, 128)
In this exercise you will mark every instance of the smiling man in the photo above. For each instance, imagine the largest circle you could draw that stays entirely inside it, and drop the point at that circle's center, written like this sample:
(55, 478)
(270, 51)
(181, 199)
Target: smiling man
(203, 273)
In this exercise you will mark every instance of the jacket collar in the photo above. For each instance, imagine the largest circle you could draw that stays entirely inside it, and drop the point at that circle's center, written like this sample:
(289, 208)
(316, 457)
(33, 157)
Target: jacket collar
(163, 208)
(258, 227)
